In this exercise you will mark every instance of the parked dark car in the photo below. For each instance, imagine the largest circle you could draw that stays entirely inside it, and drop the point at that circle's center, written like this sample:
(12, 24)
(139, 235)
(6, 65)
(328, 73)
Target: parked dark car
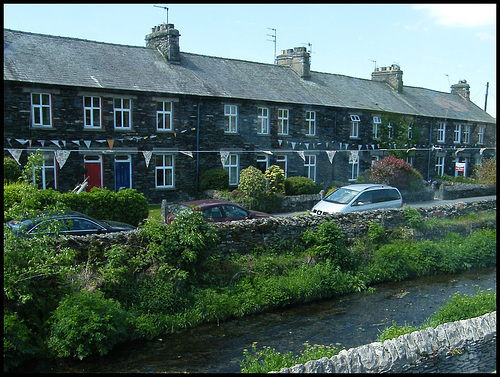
(70, 223)
(216, 210)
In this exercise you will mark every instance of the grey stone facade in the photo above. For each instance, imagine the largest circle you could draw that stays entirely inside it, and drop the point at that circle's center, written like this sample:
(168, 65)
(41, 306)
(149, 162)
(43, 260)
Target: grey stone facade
(198, 89)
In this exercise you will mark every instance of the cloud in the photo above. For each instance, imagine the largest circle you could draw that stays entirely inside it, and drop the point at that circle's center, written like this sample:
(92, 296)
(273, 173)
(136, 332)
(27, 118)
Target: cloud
(460, 14)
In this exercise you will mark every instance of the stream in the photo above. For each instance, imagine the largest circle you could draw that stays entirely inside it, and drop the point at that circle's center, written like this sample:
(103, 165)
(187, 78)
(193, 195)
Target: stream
(349, 321)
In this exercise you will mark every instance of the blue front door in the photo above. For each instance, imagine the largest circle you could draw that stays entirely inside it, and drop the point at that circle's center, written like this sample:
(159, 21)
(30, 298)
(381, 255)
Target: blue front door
(123, 172)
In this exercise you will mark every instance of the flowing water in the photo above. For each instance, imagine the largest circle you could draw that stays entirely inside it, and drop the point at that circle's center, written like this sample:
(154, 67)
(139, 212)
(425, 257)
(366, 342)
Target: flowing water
(349, 321)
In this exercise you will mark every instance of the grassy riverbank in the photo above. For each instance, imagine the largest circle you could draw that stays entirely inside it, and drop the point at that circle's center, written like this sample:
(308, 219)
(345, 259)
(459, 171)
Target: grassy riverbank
(54, 307)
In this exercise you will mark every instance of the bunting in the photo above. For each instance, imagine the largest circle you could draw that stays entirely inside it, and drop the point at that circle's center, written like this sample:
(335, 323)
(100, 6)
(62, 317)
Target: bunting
(331, 155)
(223, 157)
(301, 154)
(187, 153)
(353, 157)
(147, 157)
(61, 157)
(16, 153)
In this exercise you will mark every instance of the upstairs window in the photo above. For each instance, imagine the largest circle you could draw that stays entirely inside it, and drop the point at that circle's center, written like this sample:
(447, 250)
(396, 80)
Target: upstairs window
(311, 123)
(41, 110)
(92, 112)
(466, 135)
(230, 119)
(457, 134)
(282, 122)
(123, 112)
(441, 132)
(164, 116)
(354, 129)
(263, 121)
(376, 124)
(480, 134)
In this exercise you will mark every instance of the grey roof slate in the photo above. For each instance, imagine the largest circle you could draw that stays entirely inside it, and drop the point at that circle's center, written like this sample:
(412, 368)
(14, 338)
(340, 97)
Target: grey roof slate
(53, 60)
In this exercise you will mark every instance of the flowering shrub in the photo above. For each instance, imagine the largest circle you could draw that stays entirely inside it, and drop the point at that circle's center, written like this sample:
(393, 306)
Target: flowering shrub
(396, 172)
(275, 177)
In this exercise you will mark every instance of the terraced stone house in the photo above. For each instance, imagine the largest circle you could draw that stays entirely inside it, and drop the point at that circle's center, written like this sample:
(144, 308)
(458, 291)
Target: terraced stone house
(154, 118)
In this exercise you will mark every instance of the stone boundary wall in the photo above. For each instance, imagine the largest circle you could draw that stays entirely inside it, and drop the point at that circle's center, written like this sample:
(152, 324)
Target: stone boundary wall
(466, 346)
(453, 190)
(242, 236)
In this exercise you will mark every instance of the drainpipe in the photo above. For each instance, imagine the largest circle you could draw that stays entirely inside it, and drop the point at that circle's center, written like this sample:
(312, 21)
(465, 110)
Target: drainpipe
(429, 158)
(197, 147)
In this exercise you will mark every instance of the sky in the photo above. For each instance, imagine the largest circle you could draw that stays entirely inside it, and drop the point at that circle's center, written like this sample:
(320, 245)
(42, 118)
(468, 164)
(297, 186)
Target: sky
(435, 45)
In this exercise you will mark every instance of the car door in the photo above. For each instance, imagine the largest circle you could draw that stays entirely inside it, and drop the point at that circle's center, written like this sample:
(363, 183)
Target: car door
(232, 213)
(364, 202)
(214, 214)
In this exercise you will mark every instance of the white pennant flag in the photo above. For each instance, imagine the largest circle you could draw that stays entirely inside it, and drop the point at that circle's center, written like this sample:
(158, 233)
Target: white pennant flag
(331, 155)
(293, 144)
(16, 153)
(61, 157)
(147, 157)
(267, 152)
(223, 157)
(307, 145)
(87, 143)
(359, 147)
(280, 141)
(301, 154)
(56, 142)
(42, 142)
(481, 151)
(187, 153)
(77, 142)
(22, 141)
(353, 157)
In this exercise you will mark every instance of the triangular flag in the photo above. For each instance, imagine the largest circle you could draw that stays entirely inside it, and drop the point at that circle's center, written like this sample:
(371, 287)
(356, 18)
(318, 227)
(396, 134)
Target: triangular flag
(110, 143)
(87, 143)
(280, 141)
(147, 156)
(56, 142)
(42, 142)
(359, 147)
(331, 155)
(481, 150)
(22, 141)
(61, 157)
(353, 157)
(267, 152)
(16, 153)
(307, 145)
(293, 144)
(223, 157)
(77, 142)
(301, 154)
(187, 153)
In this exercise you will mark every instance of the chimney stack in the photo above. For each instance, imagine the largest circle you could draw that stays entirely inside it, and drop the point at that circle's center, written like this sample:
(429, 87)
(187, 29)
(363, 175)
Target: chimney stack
(165, 39)
(297, 59)
(462, 88)
(392, 75)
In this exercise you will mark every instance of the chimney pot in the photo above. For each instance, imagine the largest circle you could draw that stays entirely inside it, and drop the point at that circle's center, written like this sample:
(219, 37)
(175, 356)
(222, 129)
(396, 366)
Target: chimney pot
(165, 38)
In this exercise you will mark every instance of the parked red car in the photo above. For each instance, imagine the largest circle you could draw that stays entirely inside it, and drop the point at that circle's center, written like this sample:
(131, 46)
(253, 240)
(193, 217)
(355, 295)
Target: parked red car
(217, 211)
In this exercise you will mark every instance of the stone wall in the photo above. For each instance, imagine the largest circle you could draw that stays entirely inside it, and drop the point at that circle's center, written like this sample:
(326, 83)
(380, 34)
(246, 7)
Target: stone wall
(453, 190)
(242, 236)
(466, 346)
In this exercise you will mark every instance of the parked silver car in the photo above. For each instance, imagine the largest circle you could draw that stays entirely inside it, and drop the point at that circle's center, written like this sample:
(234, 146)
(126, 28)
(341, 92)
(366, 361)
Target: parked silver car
(359, 197)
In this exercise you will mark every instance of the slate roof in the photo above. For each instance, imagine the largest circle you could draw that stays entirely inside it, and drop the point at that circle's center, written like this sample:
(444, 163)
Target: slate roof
(53, 60)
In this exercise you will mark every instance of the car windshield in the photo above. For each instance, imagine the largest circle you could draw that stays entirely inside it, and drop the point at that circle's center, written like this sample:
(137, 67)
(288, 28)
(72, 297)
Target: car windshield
(341, 196)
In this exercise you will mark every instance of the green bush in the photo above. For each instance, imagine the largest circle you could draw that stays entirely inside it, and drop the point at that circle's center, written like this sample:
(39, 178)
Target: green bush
(396, 172)
(486, 173)
(11, 170)
(275, 177)
(85, 323)
(18, 342)
(214, 179)
(252, 182)
(300, 186)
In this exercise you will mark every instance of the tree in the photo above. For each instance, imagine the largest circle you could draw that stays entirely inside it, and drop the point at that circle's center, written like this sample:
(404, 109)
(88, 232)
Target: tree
(396, 172)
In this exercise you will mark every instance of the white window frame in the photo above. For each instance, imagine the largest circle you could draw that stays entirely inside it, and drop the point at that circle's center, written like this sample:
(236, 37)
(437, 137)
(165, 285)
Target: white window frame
(354, 169)
(92, 114)
(310, 165)
(122, 113)
(457, 134)
(263, 121)
(49, 167)
(263, 159)
(480, 134)
(410, 132)
(466, 134)
(441, 133)
(410, 159)
(282, 162)
(232, 166)
(354, 129)
(164, 170)
(440, 161)
(389, 130)
(164, 121)
(40, 109)
(230, 119)
(311, 123)
(376, 123)
(283, 121)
